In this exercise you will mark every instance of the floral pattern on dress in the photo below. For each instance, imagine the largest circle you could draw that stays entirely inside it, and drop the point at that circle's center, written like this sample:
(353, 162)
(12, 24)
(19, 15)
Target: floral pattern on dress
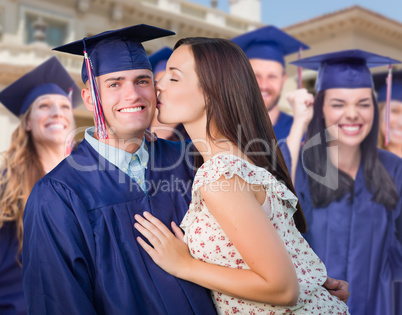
(208, 242)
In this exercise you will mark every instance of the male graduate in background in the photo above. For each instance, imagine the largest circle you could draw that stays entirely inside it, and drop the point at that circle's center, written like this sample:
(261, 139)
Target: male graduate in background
(80, 252)
(266, 49)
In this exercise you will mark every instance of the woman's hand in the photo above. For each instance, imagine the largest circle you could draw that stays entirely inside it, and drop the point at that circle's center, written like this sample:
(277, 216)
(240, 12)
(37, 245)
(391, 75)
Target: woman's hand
(302, 105)
(168, 251)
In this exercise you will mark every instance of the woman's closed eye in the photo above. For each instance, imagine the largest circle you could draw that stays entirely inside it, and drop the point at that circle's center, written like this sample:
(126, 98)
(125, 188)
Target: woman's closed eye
(66, 106)
(43, 105)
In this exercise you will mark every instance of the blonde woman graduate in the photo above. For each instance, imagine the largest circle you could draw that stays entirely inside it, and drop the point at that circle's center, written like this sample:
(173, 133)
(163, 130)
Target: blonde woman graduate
(43, 99)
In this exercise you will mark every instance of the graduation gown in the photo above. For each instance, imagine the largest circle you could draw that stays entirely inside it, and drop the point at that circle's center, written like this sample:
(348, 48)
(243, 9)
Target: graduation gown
(80, 252)
(282, 126)
(355, 238)
(11, 295)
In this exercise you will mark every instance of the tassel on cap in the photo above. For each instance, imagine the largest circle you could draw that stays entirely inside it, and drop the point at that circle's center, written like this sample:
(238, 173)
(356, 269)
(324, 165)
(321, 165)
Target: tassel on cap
(70, 139)
(49, 77)
(388, 105)
(108, 52)
(98, 112)
(346, 69)
(299, 70)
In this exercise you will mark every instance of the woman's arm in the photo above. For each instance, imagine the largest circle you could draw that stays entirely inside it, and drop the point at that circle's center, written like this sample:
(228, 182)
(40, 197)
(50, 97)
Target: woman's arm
(272, 277)
(301, 102)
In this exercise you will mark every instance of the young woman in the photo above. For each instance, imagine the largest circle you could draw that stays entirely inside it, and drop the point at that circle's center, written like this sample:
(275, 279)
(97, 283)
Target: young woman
(395, 124)
(242, 228)
(172, 132)
(42, 100)
(349, 190)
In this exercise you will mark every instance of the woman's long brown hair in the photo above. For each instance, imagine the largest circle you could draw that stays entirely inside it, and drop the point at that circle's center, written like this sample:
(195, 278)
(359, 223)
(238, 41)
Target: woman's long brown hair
(234, 106)
(20, 170)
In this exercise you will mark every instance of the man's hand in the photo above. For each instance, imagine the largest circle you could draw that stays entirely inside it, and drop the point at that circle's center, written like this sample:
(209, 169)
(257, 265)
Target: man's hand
(338, 288)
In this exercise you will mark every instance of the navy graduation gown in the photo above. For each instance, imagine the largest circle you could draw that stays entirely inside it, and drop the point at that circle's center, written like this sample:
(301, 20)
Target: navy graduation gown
(356, 239)
(282, 126)
(11, 295)
(80, 251)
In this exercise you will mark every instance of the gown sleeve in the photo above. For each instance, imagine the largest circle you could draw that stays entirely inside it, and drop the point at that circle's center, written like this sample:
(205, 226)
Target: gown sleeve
(396, 250)
(286, 155)
(58, 252)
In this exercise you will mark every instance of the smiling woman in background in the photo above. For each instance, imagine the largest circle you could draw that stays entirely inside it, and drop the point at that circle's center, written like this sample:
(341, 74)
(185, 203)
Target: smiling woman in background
(42, 100)
(349, 189)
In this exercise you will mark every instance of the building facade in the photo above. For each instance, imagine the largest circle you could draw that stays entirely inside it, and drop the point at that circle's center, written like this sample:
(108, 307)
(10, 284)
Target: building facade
(30, 28)
(350, 28)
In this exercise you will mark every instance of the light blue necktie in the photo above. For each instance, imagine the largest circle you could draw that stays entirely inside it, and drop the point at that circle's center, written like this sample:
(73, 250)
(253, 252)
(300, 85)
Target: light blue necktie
(136, 171)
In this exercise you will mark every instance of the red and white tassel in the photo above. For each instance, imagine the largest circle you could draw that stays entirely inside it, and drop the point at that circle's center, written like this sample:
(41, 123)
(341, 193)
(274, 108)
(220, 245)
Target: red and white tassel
(70, 138)
(388, 105)
(299, 71)
(98, 112)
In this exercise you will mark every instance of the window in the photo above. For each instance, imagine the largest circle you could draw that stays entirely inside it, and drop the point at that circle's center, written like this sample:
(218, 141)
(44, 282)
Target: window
(54, 28)
(54, 31)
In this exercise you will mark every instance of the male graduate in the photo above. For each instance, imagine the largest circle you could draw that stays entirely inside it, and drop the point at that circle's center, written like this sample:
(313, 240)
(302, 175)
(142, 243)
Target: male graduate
(266, 49)
(80, 251)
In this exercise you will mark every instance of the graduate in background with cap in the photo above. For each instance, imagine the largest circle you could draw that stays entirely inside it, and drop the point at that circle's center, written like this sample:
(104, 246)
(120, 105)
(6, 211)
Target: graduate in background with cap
(42, 100)
(395, 124)
(350, 190)
(172, 132)
(266, 49)
(80, 254)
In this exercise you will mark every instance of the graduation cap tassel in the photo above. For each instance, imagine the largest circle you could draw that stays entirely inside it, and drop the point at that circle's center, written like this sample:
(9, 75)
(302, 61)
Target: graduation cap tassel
(388, 105)
(70, 139)
(299, 71)
(70, 94)
(98, 113)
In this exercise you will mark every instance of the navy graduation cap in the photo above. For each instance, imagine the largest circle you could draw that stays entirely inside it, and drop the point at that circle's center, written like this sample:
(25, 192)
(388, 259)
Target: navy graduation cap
(396, 92)
(344, 69)
(112, 51)
(49, 77)
(348, 69)
(116, 50)
(159, 59)
(269, 43)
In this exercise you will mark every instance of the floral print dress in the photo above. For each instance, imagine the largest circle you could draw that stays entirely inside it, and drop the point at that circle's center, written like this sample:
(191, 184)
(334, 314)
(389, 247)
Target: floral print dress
(209, 243)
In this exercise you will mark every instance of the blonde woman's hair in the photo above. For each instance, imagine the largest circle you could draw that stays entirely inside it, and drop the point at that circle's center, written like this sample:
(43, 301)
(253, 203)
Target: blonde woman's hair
(20, 170)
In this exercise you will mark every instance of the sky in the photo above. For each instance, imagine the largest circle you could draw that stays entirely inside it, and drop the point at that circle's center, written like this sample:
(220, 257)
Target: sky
(283, 13)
